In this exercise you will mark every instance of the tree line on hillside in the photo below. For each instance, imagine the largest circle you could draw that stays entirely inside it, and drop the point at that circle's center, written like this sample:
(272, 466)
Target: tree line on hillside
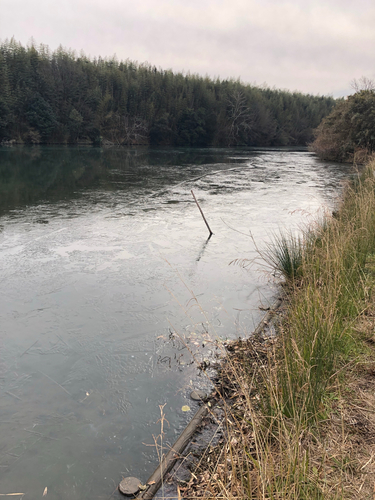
(59, 97)
(347, 134)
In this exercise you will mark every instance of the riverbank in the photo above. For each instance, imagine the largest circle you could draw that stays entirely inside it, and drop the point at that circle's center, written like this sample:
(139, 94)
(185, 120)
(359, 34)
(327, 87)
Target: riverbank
(299, 409)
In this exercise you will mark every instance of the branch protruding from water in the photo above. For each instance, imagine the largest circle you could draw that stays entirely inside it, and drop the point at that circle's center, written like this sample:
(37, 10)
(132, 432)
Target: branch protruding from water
(204, 218)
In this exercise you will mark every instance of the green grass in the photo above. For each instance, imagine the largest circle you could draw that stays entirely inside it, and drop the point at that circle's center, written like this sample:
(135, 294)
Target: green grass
(285, 255)
(276, 442)
(330, 294)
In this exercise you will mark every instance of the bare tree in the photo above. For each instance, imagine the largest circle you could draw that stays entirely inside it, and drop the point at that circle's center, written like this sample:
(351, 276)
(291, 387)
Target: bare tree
(363, 83)
(135, 130)
(240, 118)
(129, 130)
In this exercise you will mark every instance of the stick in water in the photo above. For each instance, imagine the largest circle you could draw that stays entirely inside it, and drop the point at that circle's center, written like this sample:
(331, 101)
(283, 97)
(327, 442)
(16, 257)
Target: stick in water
(204, 218)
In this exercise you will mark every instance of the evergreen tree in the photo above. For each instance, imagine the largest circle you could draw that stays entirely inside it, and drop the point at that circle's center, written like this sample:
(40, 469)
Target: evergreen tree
(61, 97)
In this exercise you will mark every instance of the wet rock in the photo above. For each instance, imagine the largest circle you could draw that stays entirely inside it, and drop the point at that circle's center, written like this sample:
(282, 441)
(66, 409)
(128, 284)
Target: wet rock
(198, 395)
(129, 486)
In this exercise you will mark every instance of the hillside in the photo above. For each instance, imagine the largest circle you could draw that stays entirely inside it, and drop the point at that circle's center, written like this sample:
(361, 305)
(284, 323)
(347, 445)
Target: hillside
(60, 97)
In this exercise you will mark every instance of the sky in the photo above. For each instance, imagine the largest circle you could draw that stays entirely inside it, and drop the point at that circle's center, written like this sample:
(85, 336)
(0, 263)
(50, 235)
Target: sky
(310, 46)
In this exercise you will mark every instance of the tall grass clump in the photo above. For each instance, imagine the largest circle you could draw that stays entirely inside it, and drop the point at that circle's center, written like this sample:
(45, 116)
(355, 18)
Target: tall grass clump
(317, 334)
(285, 255)
(276, 446)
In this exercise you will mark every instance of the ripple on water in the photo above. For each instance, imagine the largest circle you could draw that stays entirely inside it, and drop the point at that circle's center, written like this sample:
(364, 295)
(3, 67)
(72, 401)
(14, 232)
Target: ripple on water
(105, 286)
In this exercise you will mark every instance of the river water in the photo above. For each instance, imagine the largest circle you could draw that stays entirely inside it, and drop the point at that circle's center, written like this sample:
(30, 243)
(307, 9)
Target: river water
(108, 283)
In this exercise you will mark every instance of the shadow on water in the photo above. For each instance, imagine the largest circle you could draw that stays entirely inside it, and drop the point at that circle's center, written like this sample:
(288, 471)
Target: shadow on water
(201, 251)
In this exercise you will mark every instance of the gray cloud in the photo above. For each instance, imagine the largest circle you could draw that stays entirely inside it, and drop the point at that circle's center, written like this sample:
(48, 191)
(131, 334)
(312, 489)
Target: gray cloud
(311, 46)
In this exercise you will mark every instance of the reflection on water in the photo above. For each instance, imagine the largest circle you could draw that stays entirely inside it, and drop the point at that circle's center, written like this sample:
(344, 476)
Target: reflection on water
(104, 259)
(28, 175)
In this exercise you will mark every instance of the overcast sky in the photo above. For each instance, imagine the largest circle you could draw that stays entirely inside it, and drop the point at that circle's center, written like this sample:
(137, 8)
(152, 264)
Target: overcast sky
(313, 46)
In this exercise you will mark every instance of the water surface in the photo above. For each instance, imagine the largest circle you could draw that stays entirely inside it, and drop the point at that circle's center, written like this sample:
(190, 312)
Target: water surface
(104, 259)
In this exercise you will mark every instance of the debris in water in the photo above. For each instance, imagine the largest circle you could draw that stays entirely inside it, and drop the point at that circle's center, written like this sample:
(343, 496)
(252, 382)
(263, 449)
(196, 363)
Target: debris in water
(13, 395)
(11, 494)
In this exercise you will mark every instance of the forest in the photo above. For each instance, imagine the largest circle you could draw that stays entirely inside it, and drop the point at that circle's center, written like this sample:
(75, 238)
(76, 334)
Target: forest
(60, 97)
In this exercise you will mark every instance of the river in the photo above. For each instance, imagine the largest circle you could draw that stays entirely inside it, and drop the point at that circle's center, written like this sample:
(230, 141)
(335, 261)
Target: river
(108, 284)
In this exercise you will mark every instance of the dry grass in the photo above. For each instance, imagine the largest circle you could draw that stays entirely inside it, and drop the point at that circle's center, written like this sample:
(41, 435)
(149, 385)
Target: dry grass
(334, 459)
(300, 409)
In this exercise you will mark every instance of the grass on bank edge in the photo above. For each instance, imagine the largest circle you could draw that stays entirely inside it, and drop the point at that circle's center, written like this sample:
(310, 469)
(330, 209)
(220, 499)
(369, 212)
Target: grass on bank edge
(300, 409)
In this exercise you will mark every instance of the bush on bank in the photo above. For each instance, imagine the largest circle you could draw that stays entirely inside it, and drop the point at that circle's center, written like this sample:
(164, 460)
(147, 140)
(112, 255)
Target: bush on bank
(348, 132)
